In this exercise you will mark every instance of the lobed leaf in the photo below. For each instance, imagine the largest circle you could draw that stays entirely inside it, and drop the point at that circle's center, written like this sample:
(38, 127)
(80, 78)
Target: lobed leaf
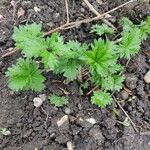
(25, 75)
(101, 99)
(57, 100)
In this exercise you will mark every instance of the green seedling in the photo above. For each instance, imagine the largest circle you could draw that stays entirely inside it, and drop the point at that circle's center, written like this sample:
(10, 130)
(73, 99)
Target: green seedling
(100, 58)
(58, 101)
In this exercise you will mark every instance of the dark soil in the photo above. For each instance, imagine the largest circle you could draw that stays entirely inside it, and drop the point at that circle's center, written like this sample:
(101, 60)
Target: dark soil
(36, 128)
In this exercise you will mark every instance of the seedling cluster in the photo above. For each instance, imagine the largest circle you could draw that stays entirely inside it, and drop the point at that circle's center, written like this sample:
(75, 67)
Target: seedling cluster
(100, 58)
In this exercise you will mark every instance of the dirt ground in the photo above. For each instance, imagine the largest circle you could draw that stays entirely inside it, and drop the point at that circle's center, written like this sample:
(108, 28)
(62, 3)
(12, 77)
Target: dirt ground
(36, 128)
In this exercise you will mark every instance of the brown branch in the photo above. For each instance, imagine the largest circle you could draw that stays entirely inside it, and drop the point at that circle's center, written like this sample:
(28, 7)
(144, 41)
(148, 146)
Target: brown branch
(132, 123)
(74, 24)
(97, 14)
(77, 23)
(93, 89)
(67, 11)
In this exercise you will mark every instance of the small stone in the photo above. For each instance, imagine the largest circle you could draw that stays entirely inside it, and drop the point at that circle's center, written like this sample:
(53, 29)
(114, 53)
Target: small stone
(80, 106)
(37, 101)
(91, 120)
(83, 123)
(42, 96)
(67, 111)
(36, 9)
(50, 24)
(21, 12)
(124, 95)
(82, 10)
(147, 77)
(56, 15)
(19, 124)
(62, 120)
(69, 145)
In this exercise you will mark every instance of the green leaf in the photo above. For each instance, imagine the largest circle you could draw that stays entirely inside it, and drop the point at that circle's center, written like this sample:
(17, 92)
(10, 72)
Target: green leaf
(102, 29)
(57, 100)
(26, 32)
(101, 57)
(34, 47)
(70, 62)
(127, 24)
(145, 28)
(101, 99)
(130, 44)
(113, 83)
(25, 75)
(29, 39)
(49, 60)
(56, 43)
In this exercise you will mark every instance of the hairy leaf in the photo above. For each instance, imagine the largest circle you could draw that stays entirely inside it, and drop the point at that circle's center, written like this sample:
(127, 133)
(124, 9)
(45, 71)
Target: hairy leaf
(101, 57)
(130, 44)
(113, 83)
(57, 100)
(25, 75)
(102, 29)
(101, 99)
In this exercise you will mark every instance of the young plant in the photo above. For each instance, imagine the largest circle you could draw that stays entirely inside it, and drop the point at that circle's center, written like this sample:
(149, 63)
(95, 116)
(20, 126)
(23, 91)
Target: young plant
(100, 58)
(58, 101)
(25, 75)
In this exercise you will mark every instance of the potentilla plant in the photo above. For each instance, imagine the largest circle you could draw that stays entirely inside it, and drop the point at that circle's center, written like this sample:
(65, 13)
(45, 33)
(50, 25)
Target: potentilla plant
(100, 58)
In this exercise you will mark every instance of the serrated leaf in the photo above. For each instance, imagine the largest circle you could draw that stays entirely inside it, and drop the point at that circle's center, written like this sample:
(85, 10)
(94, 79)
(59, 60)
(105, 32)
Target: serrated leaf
(25, 75)
(127, 24)
(70, 62)
(57, 100)
(50, 60)
(145, 28)
(26, 32)
(130, 44)
(112, 82)
(29, 39)
(101, 57)
(102, 29)
(101, 99)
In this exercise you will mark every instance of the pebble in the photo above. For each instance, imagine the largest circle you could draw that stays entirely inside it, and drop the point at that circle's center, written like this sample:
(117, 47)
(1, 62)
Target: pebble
(67, 111)
(37, 101)
(80, 106)
(62, 120)
(124, 95)
(147, 77)
(69, 145)
(19, 124)
(43, 96)
(131, 81)
(82, 10)
(56, 16)
(50, 24)
(91, 120)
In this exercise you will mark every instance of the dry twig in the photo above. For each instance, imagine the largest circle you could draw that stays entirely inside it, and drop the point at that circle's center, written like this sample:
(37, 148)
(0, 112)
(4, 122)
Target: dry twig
(97, 14)
(93, 89)
(75, 24)
(132, 123)
(67, 11)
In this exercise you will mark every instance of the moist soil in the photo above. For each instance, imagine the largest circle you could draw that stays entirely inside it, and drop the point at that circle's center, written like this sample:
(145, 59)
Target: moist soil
(36, 128)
